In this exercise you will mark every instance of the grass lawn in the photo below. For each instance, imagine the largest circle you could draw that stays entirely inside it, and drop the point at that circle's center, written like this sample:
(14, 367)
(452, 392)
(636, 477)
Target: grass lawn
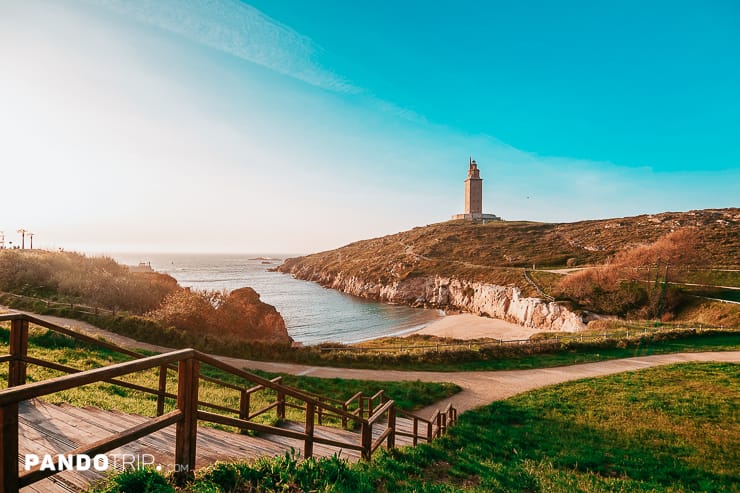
(521, 356)
(667, 429)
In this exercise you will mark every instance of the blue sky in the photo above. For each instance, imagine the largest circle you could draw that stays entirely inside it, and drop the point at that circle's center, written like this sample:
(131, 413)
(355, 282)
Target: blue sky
(283, 126)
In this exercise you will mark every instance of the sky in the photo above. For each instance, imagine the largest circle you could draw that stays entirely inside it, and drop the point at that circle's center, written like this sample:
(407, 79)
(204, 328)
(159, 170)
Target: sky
(292, 127)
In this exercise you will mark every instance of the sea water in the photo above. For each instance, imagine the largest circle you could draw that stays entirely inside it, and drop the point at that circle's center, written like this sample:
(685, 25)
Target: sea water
(312, 314)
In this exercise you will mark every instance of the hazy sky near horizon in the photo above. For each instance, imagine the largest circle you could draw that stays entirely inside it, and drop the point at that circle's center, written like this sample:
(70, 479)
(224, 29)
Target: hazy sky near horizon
(284, 126)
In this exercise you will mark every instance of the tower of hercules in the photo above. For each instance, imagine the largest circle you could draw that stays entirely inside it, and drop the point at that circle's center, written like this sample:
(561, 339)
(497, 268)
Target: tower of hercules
(474, 196)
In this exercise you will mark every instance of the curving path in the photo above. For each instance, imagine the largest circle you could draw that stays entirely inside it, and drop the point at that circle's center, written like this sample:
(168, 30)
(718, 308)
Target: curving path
(478, 387)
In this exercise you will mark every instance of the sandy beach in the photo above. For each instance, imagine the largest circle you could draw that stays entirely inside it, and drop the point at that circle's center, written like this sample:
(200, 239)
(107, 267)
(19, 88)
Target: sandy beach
(469, 326)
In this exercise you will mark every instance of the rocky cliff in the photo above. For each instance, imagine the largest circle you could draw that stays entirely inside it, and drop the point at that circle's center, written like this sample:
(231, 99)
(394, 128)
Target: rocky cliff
(503, 302)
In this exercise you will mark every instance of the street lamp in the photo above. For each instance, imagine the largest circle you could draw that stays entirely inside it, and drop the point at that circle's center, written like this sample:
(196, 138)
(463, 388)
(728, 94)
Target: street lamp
(23, 238)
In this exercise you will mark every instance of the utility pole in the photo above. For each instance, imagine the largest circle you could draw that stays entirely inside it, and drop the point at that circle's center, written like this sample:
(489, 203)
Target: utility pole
(30, 237)
(2, 240)
(23, 238)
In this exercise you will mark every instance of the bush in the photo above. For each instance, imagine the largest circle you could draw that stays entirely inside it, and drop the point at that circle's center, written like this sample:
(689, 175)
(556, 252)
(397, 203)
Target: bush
(139, 480)
(97, 281)
(634, 283)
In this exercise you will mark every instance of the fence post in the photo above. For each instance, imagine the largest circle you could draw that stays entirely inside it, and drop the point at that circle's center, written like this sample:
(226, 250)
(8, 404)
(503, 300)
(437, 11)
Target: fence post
(280, 401)
(162, 389)
(281, 405)
(344, 416)
(186, 431)
(367, 439)
(439, 424)
(429, 432)
(308, 446)
(244, 405)
(392, 426)
(416, 431)
(9, 448)
(18, 350)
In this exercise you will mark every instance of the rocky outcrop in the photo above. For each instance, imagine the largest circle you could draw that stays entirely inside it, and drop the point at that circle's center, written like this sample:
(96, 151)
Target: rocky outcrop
(238, 316)
(250, 318)
(503, 302)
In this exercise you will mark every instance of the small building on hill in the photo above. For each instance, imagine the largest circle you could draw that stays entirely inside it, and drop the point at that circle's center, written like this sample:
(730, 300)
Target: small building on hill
(474, 196)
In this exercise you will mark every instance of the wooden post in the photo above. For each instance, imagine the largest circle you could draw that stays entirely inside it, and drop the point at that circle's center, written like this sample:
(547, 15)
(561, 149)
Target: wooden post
(392, 426)
(18, 350)
(244, 404)
(162, 389)
(429, 432)
(9, 448)
(416, 431)
(308, 446)
(281, 405)
(186, 430)
(344, 416)
(367, 439)
(439, 425)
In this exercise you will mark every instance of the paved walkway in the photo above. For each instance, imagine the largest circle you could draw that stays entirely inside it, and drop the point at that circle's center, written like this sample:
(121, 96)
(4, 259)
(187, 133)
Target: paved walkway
(478, 387)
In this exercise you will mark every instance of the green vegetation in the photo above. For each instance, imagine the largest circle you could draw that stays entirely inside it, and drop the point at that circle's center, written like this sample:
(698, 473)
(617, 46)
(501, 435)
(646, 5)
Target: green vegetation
(49, 346)
(668, 429)
(422, 352)
(538, 354)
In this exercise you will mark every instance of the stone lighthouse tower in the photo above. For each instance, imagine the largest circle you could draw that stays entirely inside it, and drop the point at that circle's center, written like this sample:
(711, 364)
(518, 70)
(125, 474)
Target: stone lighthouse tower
(473, 190)
(474, 196)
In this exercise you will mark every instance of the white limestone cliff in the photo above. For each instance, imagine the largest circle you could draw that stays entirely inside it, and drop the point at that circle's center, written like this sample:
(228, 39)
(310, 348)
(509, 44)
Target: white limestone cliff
(502, 302)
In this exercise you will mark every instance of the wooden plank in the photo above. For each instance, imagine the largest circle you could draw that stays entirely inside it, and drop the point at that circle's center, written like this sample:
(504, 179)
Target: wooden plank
(107, 444)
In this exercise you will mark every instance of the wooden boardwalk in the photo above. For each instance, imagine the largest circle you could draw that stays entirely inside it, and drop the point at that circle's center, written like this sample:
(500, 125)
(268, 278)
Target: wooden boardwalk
(33, 432)
(53, 429)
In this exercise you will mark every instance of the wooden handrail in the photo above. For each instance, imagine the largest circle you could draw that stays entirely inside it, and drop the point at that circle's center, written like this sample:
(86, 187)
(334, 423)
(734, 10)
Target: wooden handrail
(71, 333)
(380, 411)
(97, 342)
(38, 389)
(210, 360)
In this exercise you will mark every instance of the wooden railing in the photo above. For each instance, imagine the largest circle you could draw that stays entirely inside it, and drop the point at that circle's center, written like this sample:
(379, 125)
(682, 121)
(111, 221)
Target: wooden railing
(370, 411)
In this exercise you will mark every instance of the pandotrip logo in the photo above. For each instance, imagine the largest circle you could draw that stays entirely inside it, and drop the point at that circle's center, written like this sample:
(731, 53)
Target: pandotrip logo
(83, 462)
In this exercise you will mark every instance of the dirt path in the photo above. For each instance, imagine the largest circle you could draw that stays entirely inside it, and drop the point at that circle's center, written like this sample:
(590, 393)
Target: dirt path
(478, 387)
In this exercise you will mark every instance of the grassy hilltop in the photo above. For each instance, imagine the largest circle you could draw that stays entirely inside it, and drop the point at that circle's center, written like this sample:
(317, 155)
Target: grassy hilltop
(699, 247)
